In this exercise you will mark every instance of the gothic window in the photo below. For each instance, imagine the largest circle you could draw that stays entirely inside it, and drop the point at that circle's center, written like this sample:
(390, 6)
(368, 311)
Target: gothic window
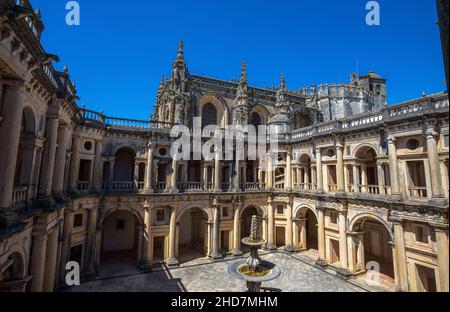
(209, 115)
(255, 120)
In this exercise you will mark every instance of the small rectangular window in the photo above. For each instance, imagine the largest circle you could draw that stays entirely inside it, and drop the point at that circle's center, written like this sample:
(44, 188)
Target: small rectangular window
(348, 151)
(160, 217)
(78, 220)
(333, 217)
(225, 212)
(280, 209)
(421, 234)
(446, 143)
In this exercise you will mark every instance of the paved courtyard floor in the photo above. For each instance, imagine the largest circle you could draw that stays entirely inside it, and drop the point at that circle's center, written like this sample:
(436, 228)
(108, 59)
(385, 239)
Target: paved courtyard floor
(298, 275)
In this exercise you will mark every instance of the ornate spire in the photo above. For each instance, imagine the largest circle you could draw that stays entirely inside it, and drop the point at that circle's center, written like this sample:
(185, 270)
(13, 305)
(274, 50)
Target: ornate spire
(282, 100)
(242, 90)
(180, 55)
(243, 74)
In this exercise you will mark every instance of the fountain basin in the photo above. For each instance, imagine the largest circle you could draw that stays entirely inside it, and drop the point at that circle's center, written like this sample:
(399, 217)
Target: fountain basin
(265, 272)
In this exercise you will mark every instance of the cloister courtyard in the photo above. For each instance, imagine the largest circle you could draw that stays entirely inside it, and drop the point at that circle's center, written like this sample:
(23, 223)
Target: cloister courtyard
(299, 274)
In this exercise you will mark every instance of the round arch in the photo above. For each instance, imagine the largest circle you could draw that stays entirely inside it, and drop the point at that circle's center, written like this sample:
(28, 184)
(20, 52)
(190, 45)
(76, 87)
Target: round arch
(358, 219)
(364, 148)
(256, 207)
(181, 212)
(301, 210)
(219, 104)
(125, 147)
(114, 210)
(262, 112)
(29, 121)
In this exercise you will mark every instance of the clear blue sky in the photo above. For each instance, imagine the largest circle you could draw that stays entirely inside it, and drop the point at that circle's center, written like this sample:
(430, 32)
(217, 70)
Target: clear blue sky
(118, 54)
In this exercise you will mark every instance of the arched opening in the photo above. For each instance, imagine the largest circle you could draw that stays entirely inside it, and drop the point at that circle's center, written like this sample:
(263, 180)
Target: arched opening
(13, 274)
(120, 243)
(192, 235)
(301, 120)
(307, 232)
(303, 176)
(366, 170)
(246, 221)
(25, 155)
(124, 169)
(209, 115)
(374, 252)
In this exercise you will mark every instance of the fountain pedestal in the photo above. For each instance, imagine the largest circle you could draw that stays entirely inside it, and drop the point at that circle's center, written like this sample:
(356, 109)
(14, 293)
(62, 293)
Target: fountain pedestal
(254, 271)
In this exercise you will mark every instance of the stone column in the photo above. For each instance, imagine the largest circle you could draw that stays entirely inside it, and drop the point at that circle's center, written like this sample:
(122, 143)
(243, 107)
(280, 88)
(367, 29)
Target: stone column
(393, 167)
(433, 160)
(205, 177)
(340, 169)
(48, 162)
(50, 261)
(60, 161)
(216, 255)
(319, 170)
(69, 215)
(111, 174)
(237, 175)
(295, 234)
(289, 236)
(172, 261)
(217, 182)
(98, 167)
(321, 236)
(343, 249)
(237, 231)
(289, 171)
(401, 278)
(173, 177)
(269, 175)
(442, 255)
(9, 141)
(74, 164)
(91, 244)
(270, 245)
(303, 244)
(148, 248)
(364, 188)
(355, 178)
(149, 171)
(37, 265)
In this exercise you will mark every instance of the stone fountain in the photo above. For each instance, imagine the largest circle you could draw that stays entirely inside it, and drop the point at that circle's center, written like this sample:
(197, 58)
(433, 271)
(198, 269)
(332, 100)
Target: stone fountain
(254, 270)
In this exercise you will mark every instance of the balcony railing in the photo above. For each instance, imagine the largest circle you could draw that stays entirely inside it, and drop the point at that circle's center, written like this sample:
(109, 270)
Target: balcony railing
(418, 192)
(161, 186)
(251, 186)
(20, 195)
(123, 186)
(84, 186)
(332, 188)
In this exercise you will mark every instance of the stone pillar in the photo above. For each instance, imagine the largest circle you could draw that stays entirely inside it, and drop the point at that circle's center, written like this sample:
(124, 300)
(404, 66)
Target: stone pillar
(442, 255)
(237, 175)
(295, 234)
(237, 231)
(269, 175)
(74, 164)
(69, 215)
(355, 179)
(289, 228)
(98, 167)
(148, 248)
(217, 182)
(50, 261)
(60, 161)
(289, 172)
(91, 243)
(9, 141)
(98, 246)
(343, 249)
(111, 174)
(340, 169)
(393, 167)
(205, 176)
(380, 174)
(270, 245)
(172, 187)
(321, 236)
(37, 265)
(319, 170)
(364, 187)
(149, 171)
(172, 261)
(48, 162)
(433, 160)
(216, 255)
(401, 272)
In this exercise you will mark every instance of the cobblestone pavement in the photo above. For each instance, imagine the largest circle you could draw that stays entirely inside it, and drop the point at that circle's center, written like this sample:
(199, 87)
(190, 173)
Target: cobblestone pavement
(297, 276)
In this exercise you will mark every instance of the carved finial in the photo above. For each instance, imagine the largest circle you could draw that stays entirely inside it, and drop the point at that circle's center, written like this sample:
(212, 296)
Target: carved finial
(37, 13)
(65, 69)
(244, 72)
(254, 230)
(283, 82)
(180, 55)
(424, 94)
